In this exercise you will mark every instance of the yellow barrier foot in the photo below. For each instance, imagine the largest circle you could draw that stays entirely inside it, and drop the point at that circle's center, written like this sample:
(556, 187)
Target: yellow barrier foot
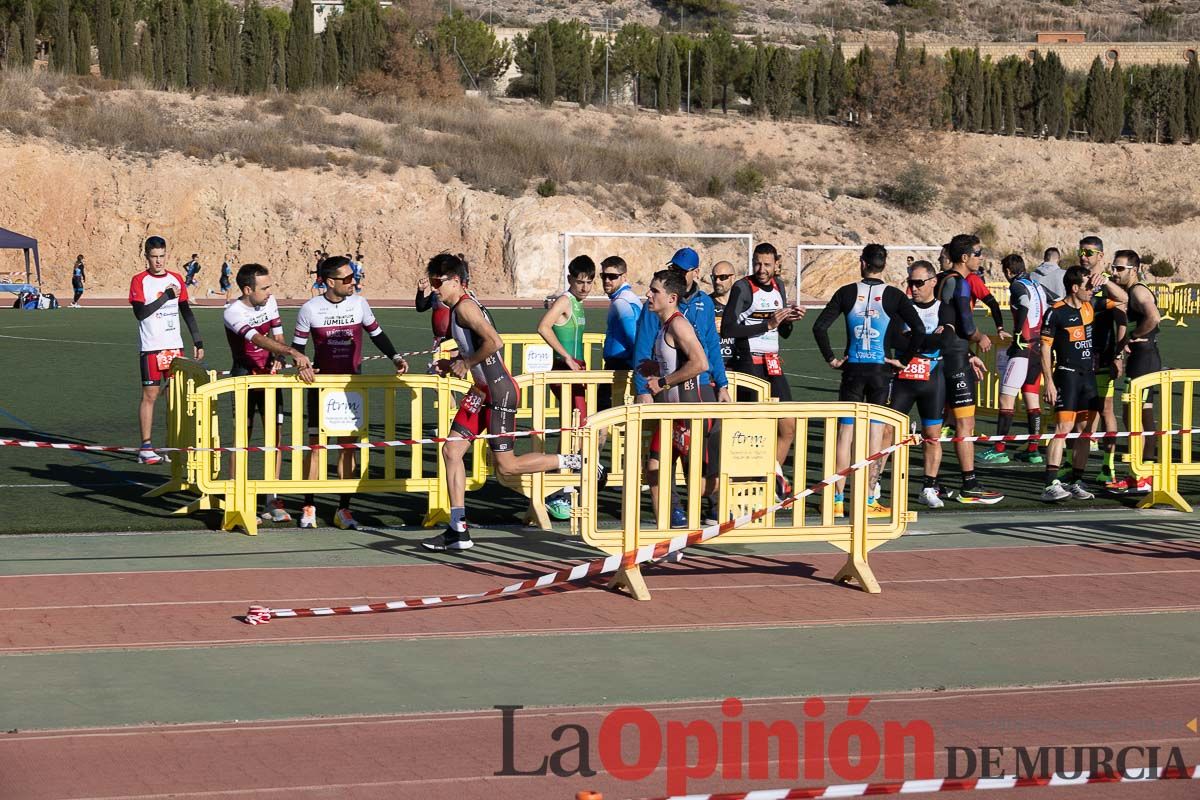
(1165, 497)
(204, 503)
(858, 570)
(170, 487)
(536, 516)
(631, 582)
(436, 518)
(237, 519)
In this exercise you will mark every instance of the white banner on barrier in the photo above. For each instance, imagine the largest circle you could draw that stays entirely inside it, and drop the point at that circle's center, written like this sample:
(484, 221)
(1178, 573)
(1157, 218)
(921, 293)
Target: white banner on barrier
(537, 358)
(342, 412)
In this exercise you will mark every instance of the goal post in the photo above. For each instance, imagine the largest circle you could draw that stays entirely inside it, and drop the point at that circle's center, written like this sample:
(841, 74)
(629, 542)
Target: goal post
(648, 252)
(836, 264)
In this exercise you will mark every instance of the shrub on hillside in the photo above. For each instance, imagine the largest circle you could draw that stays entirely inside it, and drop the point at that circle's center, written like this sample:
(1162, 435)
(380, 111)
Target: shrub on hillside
(1162, 268)
(915, 189)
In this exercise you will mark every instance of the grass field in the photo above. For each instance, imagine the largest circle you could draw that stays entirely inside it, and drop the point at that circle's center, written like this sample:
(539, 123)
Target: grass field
(72, 376)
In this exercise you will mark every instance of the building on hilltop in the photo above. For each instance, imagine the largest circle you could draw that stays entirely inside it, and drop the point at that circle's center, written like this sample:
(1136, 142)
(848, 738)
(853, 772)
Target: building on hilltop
(325, 10)
(1061, 37)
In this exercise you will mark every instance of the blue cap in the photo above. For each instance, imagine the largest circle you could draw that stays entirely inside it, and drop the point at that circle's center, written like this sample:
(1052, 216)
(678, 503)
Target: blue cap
(686, 259)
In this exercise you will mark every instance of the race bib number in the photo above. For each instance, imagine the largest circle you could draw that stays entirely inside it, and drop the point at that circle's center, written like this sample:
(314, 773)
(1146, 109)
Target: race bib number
(472, 402)
(682, 435)
(165, 357)
(916, 370)
(772, 363)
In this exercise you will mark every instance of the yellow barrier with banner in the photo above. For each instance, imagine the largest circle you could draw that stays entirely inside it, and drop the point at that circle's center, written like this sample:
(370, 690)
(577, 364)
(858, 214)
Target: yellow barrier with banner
(1170, 412)
(746, 480)
(999, 290)
(183, 431)
(1185, 302)
(528, 352)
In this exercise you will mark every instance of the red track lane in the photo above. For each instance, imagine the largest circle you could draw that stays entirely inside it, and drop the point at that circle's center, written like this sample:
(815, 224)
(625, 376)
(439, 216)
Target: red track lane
(51, 612)
(454, 756)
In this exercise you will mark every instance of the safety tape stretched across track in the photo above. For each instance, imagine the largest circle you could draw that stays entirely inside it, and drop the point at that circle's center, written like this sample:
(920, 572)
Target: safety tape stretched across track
(579, 572)
(1027, 437)
(286, 448)
(944, 785)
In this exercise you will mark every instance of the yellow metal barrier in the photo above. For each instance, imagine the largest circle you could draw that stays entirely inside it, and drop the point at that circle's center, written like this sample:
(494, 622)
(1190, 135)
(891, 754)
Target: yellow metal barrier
(1163, 298)
(357, 407)
(182, 431)
(1185, 302)
(544, 395)
(1170, 412)
(747, 479)
(999, 290)
(528, 352)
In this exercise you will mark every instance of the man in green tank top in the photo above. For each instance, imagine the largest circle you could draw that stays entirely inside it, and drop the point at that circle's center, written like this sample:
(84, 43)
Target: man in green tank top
(562, 327)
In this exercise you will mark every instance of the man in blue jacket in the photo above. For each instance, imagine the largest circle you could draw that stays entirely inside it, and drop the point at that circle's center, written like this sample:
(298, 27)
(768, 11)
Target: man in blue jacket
(697, 308)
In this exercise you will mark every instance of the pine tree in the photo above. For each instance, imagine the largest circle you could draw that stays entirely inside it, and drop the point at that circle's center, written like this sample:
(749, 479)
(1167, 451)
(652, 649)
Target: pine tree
(708, 76)
(82, 44)
(1191, 82)
(199, 48)
(821, 80)
(300, 47)
(547, 79)
(106, 40)
(125, 57)
(62, 58)
(14, 55)
(28, 33)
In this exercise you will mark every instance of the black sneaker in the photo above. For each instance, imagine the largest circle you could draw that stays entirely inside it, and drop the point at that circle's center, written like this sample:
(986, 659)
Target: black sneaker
(449, 539)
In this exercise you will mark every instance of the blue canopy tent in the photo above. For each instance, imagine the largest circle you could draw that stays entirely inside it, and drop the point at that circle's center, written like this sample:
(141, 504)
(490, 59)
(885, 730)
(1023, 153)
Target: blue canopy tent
(10, 240)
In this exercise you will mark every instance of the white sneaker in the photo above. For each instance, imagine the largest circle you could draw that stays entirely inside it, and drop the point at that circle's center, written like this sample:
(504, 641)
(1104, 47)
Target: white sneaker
(929, 497)
(308, 517)
(147, 455)
(275, 512)
(1079, 490)
(1055, 492)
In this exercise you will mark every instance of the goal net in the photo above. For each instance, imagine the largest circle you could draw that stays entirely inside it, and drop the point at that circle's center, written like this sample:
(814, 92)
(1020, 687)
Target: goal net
(646, 253)
(822, 268)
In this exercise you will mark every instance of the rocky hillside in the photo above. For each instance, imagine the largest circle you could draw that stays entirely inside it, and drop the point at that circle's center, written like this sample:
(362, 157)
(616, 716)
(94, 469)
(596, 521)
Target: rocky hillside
(94, 172)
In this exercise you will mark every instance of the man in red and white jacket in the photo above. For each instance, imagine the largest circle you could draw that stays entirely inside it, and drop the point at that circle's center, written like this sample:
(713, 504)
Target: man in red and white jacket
(159, 299)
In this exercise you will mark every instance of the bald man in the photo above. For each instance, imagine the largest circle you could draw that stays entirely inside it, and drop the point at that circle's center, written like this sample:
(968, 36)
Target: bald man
(722, 279)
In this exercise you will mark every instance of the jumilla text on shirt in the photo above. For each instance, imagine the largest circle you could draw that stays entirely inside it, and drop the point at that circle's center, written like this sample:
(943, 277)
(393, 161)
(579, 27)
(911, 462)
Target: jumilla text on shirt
(633, 744)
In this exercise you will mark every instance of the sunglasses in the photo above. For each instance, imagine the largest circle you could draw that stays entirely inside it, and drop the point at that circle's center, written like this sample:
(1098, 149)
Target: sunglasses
(611, 276)
(977, 253)
(438, 281)
(1121, 267)
(341, 278)
(914, 282)
(1087, 252)
(722, 277)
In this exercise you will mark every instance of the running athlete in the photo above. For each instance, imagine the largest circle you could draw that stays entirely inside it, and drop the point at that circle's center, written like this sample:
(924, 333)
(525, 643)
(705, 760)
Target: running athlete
(255, 334)
(1109, 368)
(562, 328)
(697, 307)
(336, 321)
(191, 269)
(226, 279)
(672, 375)
(1141, 355)
(427, 300)
(78, 276)
(756, 316)
(722, 281)
(980, 293)
(1067, 335)
(920, 382)
(159, 299)
(1020, 365)
(962, 369)
(490, 406)
(871, 308)
(360, 273)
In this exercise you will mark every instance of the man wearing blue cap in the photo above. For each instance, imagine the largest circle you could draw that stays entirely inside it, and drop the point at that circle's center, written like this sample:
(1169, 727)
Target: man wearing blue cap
(698, 309)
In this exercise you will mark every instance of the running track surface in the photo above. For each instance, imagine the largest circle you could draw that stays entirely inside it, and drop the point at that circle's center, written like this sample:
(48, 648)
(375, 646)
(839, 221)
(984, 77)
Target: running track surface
(123, 684)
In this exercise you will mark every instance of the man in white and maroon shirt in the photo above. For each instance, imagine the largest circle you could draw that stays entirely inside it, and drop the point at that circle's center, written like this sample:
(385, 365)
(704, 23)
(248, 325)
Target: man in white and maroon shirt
(255, 334)
(159, 299)
(336, 321)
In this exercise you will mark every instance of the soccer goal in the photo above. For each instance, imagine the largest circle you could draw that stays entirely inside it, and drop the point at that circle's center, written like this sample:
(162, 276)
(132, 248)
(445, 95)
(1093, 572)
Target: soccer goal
(825, 267)
(646, 253)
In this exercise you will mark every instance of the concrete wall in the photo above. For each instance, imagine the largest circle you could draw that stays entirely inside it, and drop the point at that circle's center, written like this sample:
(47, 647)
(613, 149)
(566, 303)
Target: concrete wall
(1074, 56)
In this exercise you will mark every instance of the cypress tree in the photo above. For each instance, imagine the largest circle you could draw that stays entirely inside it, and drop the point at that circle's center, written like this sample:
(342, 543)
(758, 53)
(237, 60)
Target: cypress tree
(1176, 112)
(106, 40)
(903, 68)
(1191, 82)
(1096, 101)
(585, 87)
(660, 92)
(126, 57)
(674, 78)
(62, 58)
(996, 124)
(279, 60)
(547, 79)
(1008, 86)
(82, 44)
(301, 51)
(976, 94)
(838, 86)
(254, 49)
(329, 73)
(199, 48)
(28, 33)
(14, 55)
(222, 66)
(708, 76)
(781, 79)
(1116, 102)
(174, 44)
(821, 79)
(759, 85)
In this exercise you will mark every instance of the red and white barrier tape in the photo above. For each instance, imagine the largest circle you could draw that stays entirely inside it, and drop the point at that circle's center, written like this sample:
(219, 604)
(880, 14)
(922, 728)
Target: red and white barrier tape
(589, 569)
(285, 448)
(945, 785)
(1027, 437)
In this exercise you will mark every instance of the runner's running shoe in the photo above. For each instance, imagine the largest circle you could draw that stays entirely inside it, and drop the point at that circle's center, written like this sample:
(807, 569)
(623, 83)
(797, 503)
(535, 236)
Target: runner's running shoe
(275, 512)
(1079, 490)
(929, 497)
(147, 455)
(559, 507)
(449, 539)
(308, 517)
(1144, 485)
(1030, 457)
(1122, 486)
(1055, 492)
(839, 508)
(992, 456)
(978, 494)
(678, 517)
(877, 510)
(343, 519)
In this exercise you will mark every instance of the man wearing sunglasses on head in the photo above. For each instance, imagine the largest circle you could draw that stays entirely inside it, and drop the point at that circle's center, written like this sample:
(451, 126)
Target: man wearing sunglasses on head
(1141, 354)
(335, 321)
(962, 369)
(1110, 366)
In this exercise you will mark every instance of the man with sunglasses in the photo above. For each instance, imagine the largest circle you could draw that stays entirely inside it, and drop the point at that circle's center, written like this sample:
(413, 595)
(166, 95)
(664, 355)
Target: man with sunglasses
(756, 316)
(1141, 354)
(1110, 363)
(1020, 366)
(722, 281)
(335, 321)
(962, 369)
(490, 406)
